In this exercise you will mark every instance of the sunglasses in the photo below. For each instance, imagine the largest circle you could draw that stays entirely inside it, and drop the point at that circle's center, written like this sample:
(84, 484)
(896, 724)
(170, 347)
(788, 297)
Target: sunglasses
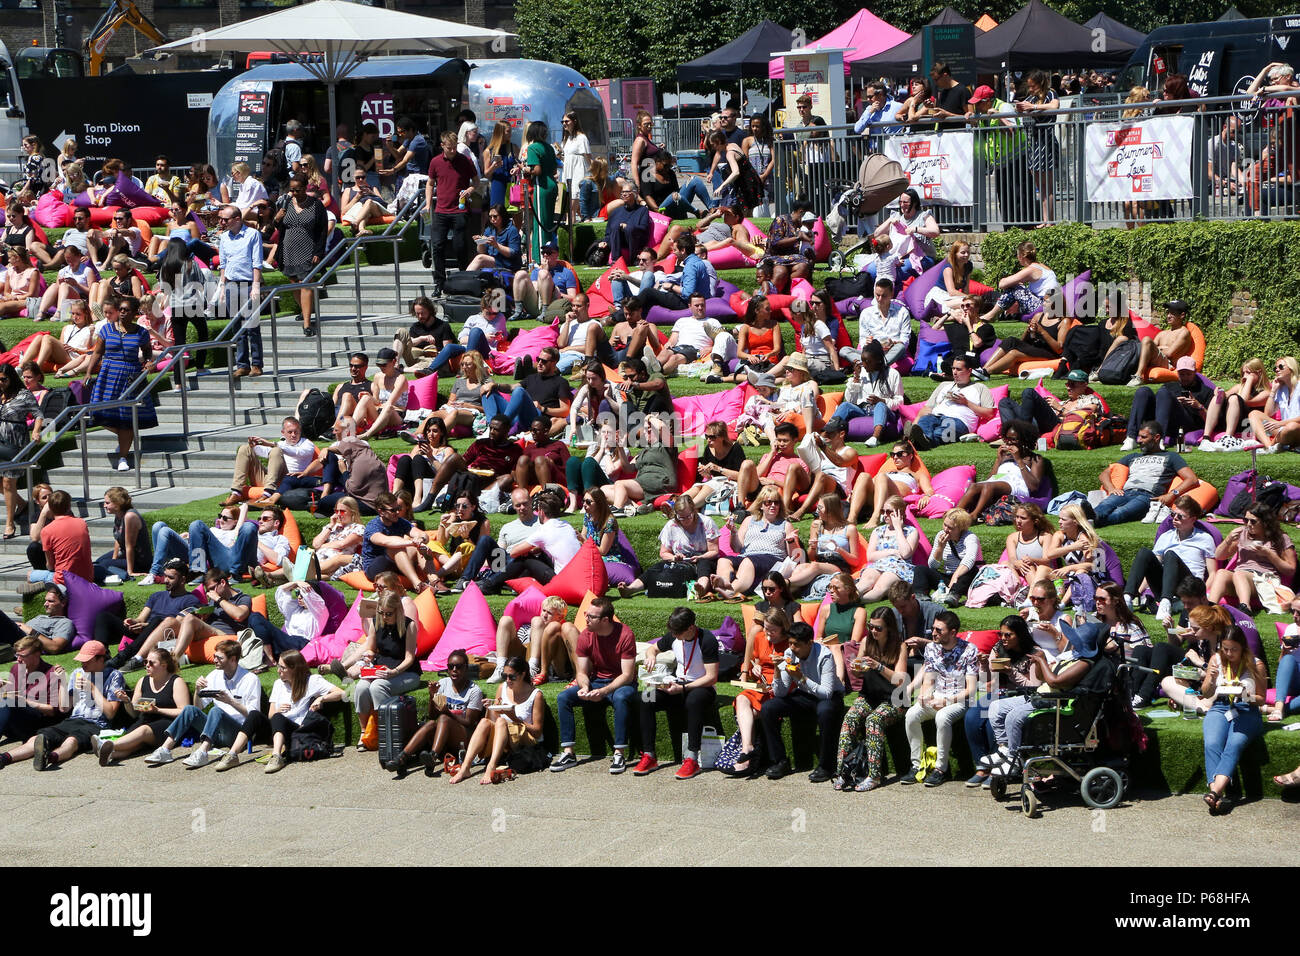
(899, 454)
(455, 667)
(511, 677)
(769, 589)
(875, 627)
(1038, 597)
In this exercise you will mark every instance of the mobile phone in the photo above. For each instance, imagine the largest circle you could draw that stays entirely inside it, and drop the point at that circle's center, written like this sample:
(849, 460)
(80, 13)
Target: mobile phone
(209, 693)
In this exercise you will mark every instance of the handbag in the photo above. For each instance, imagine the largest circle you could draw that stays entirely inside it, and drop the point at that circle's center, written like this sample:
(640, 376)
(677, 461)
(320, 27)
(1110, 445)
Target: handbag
(669, 579)
(305, 565)
(728, 754)
(252, 650)
(710, 746)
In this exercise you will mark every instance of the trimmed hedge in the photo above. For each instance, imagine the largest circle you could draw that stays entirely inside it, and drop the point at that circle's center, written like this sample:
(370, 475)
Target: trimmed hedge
(1203, 263)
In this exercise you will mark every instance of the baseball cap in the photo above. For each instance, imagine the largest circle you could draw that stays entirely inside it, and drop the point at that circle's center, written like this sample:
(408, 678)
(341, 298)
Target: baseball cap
(833, 425)
(550, 247)
(981, 94)
(809, 217)
(1185, 363)
(1077, 375)
(761, 380)
(386, 355)
(92, 649)
(1177, 305)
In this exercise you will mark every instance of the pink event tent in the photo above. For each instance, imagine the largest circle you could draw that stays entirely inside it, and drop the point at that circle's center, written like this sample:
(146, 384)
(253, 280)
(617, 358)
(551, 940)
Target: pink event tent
(861, 35)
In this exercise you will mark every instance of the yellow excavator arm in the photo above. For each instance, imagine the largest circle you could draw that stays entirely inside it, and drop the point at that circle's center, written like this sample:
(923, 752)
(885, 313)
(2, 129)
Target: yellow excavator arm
(120, 13)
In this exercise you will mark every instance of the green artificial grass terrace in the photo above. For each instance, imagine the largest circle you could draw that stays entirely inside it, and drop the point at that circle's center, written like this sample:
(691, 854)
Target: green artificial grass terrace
(1173, 760)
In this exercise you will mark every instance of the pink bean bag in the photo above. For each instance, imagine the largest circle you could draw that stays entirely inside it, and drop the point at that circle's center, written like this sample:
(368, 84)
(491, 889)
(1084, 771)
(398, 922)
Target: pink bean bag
(949, 485)
(991, 429)
(731, 257)
(471, 628)
(423, 393)
(821, 241)
(51, 211)
(526, 606)
(696, 411)
(326, 647)
(659, 224)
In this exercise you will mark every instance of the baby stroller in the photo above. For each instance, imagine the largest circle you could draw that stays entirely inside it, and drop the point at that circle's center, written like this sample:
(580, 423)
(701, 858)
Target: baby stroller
(880, 181)
(1078, 738)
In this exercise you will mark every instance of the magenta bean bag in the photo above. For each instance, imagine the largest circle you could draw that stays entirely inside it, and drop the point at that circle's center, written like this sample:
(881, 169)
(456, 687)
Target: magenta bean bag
(51, 211)
(526, 606)
(471, 628)
(423, 393)
(949, 485)
(696, 411)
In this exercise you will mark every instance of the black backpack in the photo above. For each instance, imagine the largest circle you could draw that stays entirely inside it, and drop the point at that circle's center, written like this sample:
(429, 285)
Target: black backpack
(316, 414)
(1122, 364)
(470, 283)
(313, 740)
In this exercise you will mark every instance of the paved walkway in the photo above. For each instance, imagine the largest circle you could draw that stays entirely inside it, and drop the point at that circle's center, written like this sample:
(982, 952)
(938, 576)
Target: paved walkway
(349, 811)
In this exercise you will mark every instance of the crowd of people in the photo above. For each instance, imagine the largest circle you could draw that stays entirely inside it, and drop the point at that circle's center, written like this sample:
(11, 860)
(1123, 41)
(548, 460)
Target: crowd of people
(586, 436)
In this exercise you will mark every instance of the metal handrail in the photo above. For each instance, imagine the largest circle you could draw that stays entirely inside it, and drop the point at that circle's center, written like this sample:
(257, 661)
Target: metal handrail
(75, 416)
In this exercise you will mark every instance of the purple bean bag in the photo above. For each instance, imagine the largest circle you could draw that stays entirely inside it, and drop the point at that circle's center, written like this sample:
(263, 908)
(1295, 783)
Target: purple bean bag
(714, 308)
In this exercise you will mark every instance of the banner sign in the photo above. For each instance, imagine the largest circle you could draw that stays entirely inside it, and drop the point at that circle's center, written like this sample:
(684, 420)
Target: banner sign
(1145, 159)
(939, 166)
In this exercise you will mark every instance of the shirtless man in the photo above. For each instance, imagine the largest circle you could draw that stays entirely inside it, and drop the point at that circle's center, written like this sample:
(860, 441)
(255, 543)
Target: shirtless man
(1168, 346)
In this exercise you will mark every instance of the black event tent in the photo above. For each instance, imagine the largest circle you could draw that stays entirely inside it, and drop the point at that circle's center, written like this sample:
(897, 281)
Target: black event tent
(1036, 36)
(747, 56)
(1116, 30)
(899, 60)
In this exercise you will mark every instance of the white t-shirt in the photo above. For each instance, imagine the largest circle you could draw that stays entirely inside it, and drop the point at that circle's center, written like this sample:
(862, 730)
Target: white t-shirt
(251, 190)
(576, 150)
(296, 457)
(693, 332)
(317, 686)
(514, 532)
(83, 275)
(558, 539)
(75, 237)
(977, 392)
(77, 337)
(814, 345)
(243, 687)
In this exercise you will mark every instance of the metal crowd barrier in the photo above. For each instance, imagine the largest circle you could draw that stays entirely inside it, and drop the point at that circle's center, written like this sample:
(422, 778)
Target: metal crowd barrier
(1241, 157)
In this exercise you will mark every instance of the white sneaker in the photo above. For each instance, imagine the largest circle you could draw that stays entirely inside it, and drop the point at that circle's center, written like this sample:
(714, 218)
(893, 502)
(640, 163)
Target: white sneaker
(1230, 443)
(1207, 445)
(123, 465)
(113, 579)
(197, 759)
(1135, 381)
(498, 675)
(1268, 450)
(1163, 610)
(1156, 513)
(1129, 444)
(1128, 601)
(160, 756)
(872, 442)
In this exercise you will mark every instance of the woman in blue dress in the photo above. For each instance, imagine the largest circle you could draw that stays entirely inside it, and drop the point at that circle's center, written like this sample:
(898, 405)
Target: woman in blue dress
(122, 352)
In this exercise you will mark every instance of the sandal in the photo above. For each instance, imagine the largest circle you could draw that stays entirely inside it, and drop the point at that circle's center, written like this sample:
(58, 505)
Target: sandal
(1274, 716)
(736, 599)
(705, 598)
(1212, 801)
(1291, 779)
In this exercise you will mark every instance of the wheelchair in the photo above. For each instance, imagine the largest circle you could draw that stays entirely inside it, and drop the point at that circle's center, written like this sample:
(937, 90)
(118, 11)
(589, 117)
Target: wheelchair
(1066, 742)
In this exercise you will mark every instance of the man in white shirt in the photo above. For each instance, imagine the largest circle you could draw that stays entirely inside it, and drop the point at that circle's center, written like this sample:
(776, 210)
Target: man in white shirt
(496, 553)
(694, 337)
(289, 464)
(230, 692)
(292, 145)
(272, 546)
(252, 197)
(81, 236)
(626, 285)
(581, 337)
(550, 544)
(953, 411)
(886, 321)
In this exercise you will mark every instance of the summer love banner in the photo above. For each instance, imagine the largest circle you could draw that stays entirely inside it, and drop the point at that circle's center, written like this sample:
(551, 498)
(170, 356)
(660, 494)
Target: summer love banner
(940, 166)
(1145, 159)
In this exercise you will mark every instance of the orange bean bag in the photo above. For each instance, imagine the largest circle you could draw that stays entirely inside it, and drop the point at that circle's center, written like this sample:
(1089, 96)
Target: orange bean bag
(1204, 494)
(200, 650)
(1198, 356)
(1030, 365)
(292, 532)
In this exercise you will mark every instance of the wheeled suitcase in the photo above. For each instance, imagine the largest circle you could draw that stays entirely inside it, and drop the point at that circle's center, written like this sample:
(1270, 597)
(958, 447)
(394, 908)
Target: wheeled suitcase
(395, 720)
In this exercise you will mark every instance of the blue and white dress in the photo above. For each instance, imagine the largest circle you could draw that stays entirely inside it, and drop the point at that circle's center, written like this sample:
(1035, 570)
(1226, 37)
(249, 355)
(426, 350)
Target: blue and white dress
(119, 368)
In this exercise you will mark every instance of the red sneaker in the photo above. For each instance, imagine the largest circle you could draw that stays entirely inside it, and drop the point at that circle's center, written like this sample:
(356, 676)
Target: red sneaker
(645, 765)
(688, 769)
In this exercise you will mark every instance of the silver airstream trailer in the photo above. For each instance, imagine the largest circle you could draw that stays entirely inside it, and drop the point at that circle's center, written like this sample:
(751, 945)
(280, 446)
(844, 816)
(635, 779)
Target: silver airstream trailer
(520, 92)
(248, 113)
